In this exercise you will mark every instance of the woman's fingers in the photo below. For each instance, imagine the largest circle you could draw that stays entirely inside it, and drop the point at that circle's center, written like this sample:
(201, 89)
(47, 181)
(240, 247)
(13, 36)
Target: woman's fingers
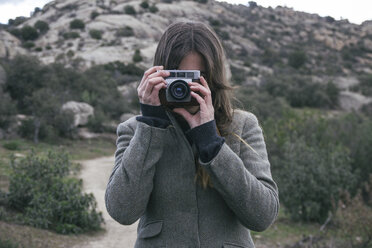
(159, 73)
(151, 83)
(204, 83)
(148, 73)
(200, 100)
(156, 89)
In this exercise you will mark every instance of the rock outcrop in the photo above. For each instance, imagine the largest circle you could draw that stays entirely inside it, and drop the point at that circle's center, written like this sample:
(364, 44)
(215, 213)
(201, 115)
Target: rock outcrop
(82, 111)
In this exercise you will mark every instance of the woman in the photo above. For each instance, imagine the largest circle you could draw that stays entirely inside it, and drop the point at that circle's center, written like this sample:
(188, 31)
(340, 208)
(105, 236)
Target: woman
(195, 176)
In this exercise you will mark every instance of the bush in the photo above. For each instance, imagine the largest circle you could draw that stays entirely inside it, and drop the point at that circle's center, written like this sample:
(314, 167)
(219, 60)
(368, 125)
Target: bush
(93, 15)
(17, 21)
(42, 26)
(201, 1)
(95, 123)
(77, 24)
(125, 32)
(29, 33)
(28, 44)
(129, 10)
(137, 56)
(297, 59)
(125, 69)
(8, 244)
(310, 178)
(47, 197)
(300, 91)
(354, 218)
(7, 110)
(145, 5)
(153, 9)
(95, 34)
(12, 145)
(71, 35)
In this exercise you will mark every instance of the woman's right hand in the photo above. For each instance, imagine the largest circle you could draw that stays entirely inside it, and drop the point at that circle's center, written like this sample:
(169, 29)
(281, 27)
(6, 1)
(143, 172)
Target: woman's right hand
(151, 83)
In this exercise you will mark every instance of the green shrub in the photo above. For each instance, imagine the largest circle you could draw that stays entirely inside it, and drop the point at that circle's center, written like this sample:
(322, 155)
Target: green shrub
(153, 8)
(354, 217)
(125, 69)
(7, 110)
(28, 44)
(145, 5)
(8, 244)
(29, 33)
(297, 59)
(95, 123)
(12, 145)
(71, 35)
(16, 32)
(38, 49)
(77, 24)
(310, 178)
(17, 21)
(93, 15)
(42, 26)
(47, 197)
(137, 56)
(95, 34)
(301, 92)
(365, 85)
(201, 1)
(125, 32)
(129, 10)
(214, 22)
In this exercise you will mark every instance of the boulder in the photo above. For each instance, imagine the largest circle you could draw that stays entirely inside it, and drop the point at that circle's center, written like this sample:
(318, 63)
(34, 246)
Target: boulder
(81, 110)
(352, 101)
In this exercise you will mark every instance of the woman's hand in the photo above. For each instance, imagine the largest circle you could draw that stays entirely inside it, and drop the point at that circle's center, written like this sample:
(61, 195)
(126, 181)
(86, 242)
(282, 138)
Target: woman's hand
(206, 110)
(151, 83)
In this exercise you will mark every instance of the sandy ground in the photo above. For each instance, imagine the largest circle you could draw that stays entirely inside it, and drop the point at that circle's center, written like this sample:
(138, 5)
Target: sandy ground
(95, 174)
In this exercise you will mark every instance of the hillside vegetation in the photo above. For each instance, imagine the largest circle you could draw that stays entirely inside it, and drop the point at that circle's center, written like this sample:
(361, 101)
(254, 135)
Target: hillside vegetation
(307, 78)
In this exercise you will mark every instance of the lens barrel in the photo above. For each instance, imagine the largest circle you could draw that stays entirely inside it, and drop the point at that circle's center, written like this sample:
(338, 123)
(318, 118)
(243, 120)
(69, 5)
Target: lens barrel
(179, 89)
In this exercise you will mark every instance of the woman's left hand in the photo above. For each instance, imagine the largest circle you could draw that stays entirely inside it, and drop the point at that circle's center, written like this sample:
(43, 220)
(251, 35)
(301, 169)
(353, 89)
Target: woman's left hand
(206, 110)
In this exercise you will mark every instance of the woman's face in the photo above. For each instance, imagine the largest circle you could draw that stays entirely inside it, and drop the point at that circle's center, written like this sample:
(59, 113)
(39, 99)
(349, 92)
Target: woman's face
(192, 61)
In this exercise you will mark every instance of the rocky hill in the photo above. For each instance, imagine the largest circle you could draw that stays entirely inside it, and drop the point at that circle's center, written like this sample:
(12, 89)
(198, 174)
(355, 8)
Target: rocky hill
(260, 42)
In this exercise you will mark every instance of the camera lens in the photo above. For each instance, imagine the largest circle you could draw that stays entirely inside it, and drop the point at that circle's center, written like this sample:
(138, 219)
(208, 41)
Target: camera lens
(179, 89)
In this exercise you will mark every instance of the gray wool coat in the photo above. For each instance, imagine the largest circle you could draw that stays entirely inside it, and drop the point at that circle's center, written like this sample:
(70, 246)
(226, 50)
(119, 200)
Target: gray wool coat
(153, 179)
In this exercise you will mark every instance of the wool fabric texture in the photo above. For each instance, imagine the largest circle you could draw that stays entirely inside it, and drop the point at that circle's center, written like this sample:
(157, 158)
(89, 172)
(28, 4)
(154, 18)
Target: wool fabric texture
(153, 180)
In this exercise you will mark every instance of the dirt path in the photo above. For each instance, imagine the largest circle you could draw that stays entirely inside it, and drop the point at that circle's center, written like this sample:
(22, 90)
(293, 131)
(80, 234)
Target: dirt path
(95, 174)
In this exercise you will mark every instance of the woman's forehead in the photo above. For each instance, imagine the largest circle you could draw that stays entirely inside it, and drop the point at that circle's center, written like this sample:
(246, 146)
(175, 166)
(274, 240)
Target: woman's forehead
(192, 61)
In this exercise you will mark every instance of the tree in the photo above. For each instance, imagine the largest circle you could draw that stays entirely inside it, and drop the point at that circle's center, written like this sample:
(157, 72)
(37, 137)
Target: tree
(77, 24)
(42, 26)
(129, 10)
(137, 56)
(297, 59)
(29, 33)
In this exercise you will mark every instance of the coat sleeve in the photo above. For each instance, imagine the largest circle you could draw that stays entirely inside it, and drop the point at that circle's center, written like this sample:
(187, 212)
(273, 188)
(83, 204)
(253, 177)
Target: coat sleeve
(245, 181)
(139, 148)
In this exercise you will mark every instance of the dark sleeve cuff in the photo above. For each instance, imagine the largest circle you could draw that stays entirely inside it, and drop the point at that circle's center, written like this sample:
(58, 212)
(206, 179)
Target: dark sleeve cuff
(206, 139)
(153, 111)
(154, 116)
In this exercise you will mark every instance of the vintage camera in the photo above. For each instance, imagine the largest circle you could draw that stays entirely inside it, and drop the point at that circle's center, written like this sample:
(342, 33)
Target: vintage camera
(177, 93)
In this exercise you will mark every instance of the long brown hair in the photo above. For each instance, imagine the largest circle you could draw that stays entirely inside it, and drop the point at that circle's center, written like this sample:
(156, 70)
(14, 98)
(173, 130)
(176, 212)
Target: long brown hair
(182, 38)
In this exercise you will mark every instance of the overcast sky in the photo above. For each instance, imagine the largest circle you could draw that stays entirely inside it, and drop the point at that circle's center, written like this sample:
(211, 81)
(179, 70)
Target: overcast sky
(356, 11)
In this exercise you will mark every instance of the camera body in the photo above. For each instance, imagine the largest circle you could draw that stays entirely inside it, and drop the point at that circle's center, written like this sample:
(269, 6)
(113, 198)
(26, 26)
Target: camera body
(178, 91)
